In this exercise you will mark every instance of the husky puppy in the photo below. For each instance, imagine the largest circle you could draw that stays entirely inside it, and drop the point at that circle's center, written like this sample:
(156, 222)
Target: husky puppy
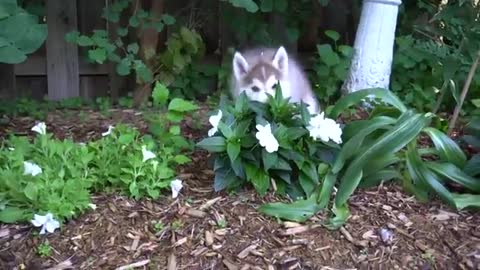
(257, 71)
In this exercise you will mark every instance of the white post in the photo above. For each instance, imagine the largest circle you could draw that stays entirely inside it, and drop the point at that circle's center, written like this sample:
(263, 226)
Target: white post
(372, 62)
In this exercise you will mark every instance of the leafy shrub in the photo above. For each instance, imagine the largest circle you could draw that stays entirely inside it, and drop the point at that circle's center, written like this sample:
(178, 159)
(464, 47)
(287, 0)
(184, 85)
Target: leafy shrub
(380, 148)
(20, 33)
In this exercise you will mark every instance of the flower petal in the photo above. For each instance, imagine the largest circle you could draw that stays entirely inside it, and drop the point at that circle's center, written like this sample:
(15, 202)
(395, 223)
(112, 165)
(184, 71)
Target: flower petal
(176, 186)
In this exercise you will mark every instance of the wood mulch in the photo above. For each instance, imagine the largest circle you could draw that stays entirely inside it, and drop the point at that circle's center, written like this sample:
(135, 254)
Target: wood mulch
(203, 229)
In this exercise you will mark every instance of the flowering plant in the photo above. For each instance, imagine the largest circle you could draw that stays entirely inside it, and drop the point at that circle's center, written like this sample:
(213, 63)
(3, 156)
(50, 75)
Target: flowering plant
(274, 145)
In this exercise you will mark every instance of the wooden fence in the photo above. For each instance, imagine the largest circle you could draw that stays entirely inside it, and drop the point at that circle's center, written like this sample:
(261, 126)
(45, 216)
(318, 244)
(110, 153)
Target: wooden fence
(59, 69)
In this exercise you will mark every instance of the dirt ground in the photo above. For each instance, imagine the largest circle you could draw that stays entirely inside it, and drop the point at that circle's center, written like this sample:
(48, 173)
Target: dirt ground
(203, 229)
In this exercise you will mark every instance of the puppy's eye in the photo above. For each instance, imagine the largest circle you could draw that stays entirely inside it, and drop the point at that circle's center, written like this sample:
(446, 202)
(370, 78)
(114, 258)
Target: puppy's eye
(274, 86)
(255, 89)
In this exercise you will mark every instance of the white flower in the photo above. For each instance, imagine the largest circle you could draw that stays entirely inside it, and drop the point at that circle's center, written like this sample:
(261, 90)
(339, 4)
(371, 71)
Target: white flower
(176, 186)
(47, 223)
(325, 129)
(31, 168)
(147, 154)
(40, 128)
(11, 149)
(214, 121)
(266, 138)
(110, 128)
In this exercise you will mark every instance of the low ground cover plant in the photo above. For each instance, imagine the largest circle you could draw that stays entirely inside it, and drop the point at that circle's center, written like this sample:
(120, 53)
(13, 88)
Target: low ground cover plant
(49, 181)
(279, 146)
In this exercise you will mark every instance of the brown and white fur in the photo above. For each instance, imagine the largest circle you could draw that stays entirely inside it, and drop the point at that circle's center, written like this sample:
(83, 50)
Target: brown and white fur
(257, 71)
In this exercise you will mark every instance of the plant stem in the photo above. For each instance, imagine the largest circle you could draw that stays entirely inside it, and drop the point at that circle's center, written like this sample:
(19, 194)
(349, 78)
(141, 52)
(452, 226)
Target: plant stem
(466, 86)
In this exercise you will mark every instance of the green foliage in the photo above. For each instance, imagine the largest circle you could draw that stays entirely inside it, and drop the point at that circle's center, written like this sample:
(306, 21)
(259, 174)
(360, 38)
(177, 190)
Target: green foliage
(127, 56)
(240, 159)
(70, 171)
(330, 69)
(432, 59)
(20, 33)
(379, 148)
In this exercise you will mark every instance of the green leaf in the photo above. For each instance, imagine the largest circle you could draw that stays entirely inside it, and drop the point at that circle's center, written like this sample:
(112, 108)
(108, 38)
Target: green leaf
(84, 41)
(133, 48)
(472, 167)
(335, 36)
(175, 130)
(259, 179)
(224, 179)
(248, 5)
(133, 21)
(126, 138)
(455, 174)
(121, 31)
(281, 5)
(269, 159)
(233, 150)
(31, 191)
(326, 191)
(123, 68)
(465, 200)
(213, 144)
(99, 55)
(356, 97)
(423, 176)
(266, 5)
(328, 56)
(306, 183)
(351, 147)
(341, 215)
(395, 139)
(447, 148)
(374, 179)
(11, 214)
(168, 19)
(160, 94)
(298, 211)
(181, 159)
(181, 105)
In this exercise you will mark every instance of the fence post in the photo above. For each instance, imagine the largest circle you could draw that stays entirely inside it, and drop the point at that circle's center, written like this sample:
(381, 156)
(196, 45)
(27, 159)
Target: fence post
(62, 57)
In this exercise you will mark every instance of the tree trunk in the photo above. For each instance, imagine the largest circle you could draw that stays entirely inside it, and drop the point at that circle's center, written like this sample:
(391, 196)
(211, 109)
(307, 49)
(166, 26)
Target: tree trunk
(149, 39)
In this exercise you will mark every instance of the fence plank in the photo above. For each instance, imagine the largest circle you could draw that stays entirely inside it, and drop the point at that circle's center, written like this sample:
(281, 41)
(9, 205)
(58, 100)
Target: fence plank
(7, 79)
(62, 57)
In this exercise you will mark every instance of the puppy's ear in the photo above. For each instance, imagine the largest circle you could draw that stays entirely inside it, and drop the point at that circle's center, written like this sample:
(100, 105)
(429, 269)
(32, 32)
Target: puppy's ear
(280, 60)
(240, 66)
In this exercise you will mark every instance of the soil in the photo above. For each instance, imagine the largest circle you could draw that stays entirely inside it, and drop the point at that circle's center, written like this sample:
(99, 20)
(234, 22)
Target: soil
(203, 229)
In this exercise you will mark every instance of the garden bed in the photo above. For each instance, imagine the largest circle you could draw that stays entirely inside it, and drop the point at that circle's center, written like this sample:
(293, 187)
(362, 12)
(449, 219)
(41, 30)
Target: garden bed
(202, 229)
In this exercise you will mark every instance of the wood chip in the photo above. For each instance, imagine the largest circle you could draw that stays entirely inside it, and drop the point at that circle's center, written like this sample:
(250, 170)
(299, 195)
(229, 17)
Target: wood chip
(288, 224)
(209, 238)
(244, 253)
(230, 265)
(221, 232)
(195, 213)
(180, 242)
(209, 203)
(134, 265)
(63, 265)
(172, 262)
(134, 245)
(4, 233)
(297, 230)
(199, 251)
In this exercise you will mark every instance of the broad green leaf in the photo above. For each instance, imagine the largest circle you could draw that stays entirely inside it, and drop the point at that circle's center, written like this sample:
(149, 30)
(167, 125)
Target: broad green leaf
(341, 215)
(447, 148)
(298, 211)
(328, 55)
(351, 147)
(266, 5)
(233, 150)
(175, 130)
(123, 68)
(31, 191)
(335, 36)
(213, 144)
(281, 5)
(307, 184)
(453, 173)
(133, 48)
(422, 175)
(168, 19)
(248, 5)
(160, 94)
(390, 142)
(181, 159)
(326, 191)
(269, 160)
(99, 55)
(84, 41)
(181, 105)
(472, 167)
(374, 179)
(11, 214)
(356, 97)
(466, 200)
(259, 178)
(224, 178)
